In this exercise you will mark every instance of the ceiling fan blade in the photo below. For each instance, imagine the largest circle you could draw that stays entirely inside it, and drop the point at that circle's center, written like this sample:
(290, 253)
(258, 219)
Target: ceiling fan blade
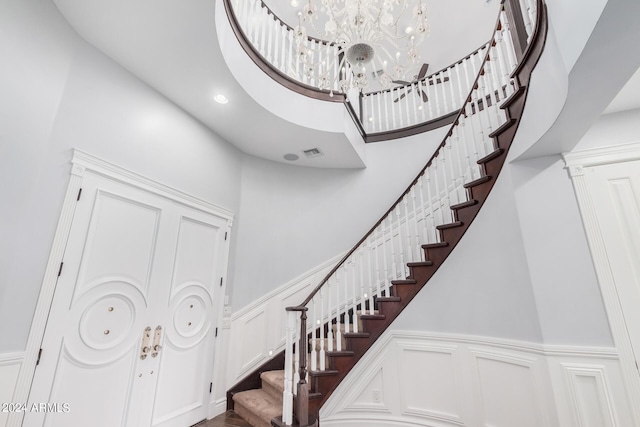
(401, 82)
(399, 98)
(423, 71)
(424, 97)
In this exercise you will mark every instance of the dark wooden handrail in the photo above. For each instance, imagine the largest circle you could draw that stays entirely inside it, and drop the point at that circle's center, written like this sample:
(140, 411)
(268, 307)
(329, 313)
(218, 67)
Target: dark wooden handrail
(414, 182)
(432, 75)
(270, 70)
(526, 62)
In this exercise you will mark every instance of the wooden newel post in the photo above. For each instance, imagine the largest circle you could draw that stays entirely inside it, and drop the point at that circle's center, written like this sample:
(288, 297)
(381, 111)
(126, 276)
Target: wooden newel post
(302, 399)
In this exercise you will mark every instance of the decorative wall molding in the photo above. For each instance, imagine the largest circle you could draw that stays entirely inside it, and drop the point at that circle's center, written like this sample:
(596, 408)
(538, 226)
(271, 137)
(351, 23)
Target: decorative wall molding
(601, 156)
(576, 162)
(10, 364)
(584, 412)
(496, 382)
(244, 355)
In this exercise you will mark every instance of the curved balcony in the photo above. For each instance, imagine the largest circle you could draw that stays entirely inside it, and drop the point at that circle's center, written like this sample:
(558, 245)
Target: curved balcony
(421, 105)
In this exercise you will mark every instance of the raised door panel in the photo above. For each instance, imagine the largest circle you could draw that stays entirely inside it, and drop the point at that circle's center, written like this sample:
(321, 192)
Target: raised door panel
(92, 340)
(182, 391)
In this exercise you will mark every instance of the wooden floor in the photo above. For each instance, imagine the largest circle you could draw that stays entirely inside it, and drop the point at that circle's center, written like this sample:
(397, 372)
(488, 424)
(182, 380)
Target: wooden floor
(228, 419)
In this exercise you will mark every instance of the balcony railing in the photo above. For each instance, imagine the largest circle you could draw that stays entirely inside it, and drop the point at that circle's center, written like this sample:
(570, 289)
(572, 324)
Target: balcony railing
(419, 106)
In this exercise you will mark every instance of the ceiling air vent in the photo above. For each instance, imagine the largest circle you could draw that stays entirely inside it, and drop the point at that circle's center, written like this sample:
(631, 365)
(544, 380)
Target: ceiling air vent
(313, 152)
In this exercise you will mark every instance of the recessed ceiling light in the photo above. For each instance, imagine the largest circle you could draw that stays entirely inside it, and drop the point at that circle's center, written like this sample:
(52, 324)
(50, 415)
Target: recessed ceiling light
(291, 157)
(221, 99)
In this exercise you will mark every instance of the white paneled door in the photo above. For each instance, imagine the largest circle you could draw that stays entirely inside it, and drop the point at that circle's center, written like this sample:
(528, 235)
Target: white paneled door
(131, 331)
(615, 191)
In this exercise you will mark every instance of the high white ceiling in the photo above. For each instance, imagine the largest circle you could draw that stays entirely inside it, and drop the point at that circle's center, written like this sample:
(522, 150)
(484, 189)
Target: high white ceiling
(173, 46)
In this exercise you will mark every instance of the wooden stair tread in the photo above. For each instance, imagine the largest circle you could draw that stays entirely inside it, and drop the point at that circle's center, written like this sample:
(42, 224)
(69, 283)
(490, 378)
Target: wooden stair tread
(478, 181)
(373, 317)
(463, 205)
(357, 335)
(511, 98)
(404, 282)
(389, 299)
(435, 245)
(420, 264)
(325, 373)
(341, 353)
(502, 128)
(450, 225)
(493, 155)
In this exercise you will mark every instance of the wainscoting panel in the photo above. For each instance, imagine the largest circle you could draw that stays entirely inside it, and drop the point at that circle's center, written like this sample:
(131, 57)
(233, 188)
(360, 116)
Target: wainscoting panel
(426, 379)
(589, 394)
(9, 368)
(432, 386)
(256, 332)
(506, 390)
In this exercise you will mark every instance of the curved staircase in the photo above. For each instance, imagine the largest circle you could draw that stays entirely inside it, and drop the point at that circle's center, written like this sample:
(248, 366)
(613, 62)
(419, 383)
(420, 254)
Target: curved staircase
(358, 300)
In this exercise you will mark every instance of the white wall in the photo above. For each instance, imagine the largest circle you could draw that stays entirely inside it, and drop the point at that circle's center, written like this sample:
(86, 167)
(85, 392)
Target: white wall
(291, 218)
(612, 129)
(484, 287)
(59, 93)
(568, 300)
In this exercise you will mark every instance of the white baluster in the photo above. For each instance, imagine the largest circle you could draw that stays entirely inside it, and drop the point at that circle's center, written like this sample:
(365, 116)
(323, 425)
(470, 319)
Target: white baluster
(371, 279)
(385, 264)
(429, 173)
(423, 208)
(436, 180)
(509, 41)
(338, 311)
(354, 308)
(346, 286)
(417, 241)
(388, 100)
(460, 130)
(296, 356)
(271, 26)
(459, 155)
(321, 326)
(263, 30)
(394, 106)
(446, 181)
(415, 103)
(287, 394)
(504, 71)
(314, 337)
(434, 80)
(427, 84)
(405, 115)
(403, 260)
(376, 250)
(423, 111)
(394, 264)
(405, 202)
(330, 313)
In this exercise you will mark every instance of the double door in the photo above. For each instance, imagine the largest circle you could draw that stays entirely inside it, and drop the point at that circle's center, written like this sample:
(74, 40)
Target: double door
(131, 331)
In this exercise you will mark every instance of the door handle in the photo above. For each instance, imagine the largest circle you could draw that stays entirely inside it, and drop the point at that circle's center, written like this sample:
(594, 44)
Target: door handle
(146, 336)
(156, 341)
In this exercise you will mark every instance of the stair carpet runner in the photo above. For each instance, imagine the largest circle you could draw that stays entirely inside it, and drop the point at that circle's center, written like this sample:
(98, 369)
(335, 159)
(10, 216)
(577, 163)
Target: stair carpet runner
(259, 406)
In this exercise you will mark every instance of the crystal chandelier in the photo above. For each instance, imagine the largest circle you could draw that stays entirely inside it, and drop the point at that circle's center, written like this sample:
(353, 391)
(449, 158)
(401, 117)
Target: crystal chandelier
(376, 39)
